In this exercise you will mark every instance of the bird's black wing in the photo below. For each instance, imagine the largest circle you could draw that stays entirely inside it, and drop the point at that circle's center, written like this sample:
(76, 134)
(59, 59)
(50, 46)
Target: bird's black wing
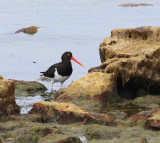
(51, 71)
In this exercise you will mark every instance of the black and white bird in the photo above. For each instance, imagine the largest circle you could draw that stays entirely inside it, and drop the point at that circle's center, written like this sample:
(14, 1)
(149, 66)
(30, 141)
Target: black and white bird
(60, 72)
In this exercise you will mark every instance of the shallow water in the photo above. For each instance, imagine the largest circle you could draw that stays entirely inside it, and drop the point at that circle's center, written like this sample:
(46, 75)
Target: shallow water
(72, 25)
(82, 138)
(26, 105)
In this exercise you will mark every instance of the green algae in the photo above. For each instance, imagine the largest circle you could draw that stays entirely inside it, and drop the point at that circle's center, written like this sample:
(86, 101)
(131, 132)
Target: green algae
(42, 130)
(147, 100)
(55, 138)
(99, 141)
(92, 105)
(23, 130)
(29, 88)
(129, 123)
(72, 129)
(35, 133)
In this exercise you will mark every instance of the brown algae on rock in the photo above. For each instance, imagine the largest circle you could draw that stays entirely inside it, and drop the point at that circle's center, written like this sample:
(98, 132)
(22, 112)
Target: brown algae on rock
(29, 30)
(8, 105)
(132, 55)
(67, 113)
(135, 5)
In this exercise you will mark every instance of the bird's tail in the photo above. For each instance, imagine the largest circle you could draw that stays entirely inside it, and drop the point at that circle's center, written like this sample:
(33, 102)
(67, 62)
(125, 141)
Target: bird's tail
(42, 78)
(42, 73)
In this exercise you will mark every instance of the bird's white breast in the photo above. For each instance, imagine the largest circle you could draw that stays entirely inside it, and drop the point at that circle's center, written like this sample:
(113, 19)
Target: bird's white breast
(59, 78)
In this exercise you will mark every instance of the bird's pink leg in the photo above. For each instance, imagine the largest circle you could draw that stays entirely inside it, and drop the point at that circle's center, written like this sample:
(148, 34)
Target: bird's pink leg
(61, 84)
(52, 86)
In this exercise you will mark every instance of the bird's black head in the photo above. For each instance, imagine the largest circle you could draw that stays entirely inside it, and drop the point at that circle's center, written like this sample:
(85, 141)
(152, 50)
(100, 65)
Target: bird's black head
(66, 56)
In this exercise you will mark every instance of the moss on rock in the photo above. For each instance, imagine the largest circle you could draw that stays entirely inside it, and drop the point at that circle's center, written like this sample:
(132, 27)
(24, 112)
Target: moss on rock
(29, 88)
(102, 132)
(59, 138)
(43, 130)
(146, 101)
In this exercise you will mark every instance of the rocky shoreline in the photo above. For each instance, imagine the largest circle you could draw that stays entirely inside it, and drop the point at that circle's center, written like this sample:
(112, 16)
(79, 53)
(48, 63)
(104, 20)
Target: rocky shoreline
(118, 101)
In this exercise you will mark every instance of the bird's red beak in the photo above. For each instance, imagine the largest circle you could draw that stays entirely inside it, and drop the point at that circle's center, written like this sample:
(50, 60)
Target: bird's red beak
(76, 61)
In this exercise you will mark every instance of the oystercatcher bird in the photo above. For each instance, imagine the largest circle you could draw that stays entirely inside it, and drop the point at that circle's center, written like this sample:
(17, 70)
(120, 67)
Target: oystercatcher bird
(60, 72)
